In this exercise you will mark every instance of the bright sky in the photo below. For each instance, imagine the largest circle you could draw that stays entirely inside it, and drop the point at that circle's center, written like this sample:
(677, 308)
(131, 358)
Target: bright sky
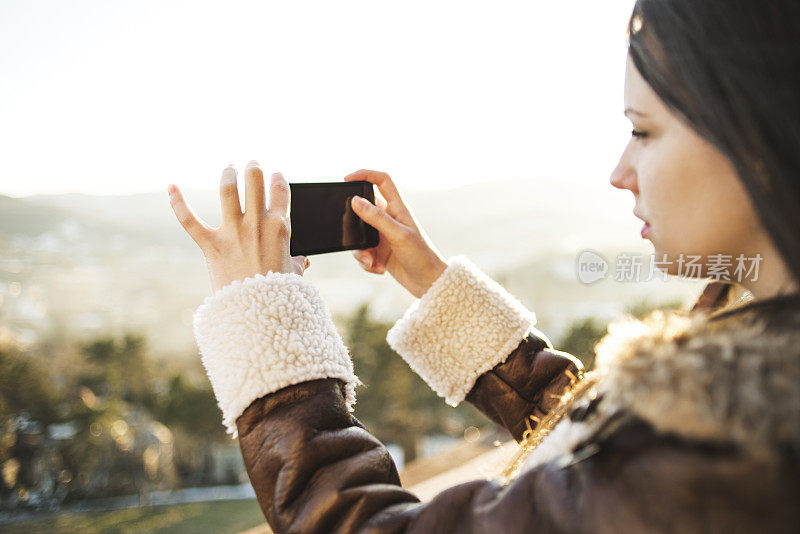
(121, 97)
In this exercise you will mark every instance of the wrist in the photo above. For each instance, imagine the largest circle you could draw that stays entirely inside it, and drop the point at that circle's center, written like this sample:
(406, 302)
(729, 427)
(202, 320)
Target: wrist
(432, 275)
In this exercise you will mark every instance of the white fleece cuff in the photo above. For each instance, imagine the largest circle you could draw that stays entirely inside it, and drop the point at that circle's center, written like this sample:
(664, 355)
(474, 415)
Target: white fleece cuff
(264, 333)
(461, 327)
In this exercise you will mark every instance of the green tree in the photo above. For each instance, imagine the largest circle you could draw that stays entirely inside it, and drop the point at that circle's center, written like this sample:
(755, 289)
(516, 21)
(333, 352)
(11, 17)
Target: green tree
(191, 407)
(25, 390)
(25, 386)
(580, 339)
(120, 369)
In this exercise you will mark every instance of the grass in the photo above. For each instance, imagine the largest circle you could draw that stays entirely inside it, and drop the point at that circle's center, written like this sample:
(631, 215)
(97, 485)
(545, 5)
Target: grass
(197, 518)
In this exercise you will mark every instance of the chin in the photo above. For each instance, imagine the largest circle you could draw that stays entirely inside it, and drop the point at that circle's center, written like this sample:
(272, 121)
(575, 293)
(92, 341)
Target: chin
(674, 269)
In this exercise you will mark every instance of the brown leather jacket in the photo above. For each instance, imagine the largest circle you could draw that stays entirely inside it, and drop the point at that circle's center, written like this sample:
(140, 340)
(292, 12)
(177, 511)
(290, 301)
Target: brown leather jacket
(315, 468)
(689, 423)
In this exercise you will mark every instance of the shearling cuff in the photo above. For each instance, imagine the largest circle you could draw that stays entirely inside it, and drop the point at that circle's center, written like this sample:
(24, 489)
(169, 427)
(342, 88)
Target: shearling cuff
(461, 327)
(264, 333)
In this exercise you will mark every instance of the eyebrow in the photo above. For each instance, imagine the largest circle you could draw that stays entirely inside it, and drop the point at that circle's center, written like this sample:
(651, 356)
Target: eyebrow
(635, 112)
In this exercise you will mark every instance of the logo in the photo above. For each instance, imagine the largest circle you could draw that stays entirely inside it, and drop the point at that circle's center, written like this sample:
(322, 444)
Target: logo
(591, 267)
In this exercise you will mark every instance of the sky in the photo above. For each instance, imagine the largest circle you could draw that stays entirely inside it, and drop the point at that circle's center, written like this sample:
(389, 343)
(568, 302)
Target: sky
(112, 97)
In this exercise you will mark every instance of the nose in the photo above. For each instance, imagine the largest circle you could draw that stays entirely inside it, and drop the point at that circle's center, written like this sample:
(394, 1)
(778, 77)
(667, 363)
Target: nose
(624, 174)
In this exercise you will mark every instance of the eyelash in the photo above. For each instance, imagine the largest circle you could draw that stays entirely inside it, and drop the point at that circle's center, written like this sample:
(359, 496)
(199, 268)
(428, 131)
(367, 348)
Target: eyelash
(639, 134)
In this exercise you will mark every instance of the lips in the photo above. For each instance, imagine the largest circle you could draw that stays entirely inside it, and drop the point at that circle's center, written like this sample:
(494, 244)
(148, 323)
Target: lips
(646, 227)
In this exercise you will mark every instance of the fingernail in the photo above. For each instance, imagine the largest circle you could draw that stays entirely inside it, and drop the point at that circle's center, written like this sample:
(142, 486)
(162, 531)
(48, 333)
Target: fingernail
(229, 174)
(361, 201)
(277, 175)
(171, 188)
(252, 163)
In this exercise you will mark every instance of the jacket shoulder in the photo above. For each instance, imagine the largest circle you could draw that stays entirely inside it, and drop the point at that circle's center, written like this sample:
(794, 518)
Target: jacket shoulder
(733, 380)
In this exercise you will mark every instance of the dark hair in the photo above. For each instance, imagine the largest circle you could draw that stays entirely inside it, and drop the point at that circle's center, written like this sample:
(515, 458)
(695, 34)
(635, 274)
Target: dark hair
(730, 69)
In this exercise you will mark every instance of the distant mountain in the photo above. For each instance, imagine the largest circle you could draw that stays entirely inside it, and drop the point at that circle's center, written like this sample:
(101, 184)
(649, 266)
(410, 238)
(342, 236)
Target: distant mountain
(31, 217)
(90, 263)
(19, 216)
(141, 215)
(521, 217)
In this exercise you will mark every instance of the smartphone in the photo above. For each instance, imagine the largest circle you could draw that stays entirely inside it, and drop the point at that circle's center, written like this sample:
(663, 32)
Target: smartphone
(323, 220)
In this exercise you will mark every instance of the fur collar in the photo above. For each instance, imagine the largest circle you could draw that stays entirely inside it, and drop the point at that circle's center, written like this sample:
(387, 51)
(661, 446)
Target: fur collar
(728, 378)
(725, 377)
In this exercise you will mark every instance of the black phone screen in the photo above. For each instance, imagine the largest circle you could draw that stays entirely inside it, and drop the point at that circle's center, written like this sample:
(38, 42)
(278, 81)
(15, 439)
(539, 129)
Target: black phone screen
(323, 220)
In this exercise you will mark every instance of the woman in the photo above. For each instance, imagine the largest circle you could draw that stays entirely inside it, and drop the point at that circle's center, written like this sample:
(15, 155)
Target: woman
(690, 421)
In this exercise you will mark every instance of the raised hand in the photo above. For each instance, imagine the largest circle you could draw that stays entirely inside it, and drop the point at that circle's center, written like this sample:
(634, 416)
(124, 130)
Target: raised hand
(404, 250)
(255, 241)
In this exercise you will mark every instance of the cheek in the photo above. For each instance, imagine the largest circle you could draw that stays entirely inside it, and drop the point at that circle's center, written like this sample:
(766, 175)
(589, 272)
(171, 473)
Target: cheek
(670, 198)
(695, 200)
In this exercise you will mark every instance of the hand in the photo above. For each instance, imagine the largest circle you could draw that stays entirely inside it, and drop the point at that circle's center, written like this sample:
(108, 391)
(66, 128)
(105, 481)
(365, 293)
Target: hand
(404, 249)
(249, 243)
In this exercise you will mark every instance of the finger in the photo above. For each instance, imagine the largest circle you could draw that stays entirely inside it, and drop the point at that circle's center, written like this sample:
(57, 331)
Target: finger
(254, 200)
(381, 202)
(371, 263)
(229, 196)
(364, 257)
(382, 180)
(279, 195)
(378, 218)
(194, 226)
(303, 261)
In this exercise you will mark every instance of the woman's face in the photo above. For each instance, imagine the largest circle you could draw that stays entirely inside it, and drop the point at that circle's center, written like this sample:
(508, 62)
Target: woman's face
(687, 191)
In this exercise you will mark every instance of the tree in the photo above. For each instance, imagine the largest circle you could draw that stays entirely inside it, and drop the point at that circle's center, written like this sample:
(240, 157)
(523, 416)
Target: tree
(580, 339)
(25, 386)
(191, 407)
(120, 369)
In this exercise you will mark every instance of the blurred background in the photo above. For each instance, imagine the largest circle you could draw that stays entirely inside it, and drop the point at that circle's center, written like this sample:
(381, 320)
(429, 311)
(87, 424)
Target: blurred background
(500, 124)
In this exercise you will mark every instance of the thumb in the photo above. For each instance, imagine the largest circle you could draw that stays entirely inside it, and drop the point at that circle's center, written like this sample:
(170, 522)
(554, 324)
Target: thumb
(375, 216)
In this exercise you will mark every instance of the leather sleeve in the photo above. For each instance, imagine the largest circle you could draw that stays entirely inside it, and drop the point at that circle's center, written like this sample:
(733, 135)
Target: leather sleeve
(315, 469)
(528, 383)
(470, 339)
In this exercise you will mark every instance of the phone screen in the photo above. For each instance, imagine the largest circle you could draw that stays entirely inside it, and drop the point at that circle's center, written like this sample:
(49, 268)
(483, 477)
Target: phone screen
(323, 220)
